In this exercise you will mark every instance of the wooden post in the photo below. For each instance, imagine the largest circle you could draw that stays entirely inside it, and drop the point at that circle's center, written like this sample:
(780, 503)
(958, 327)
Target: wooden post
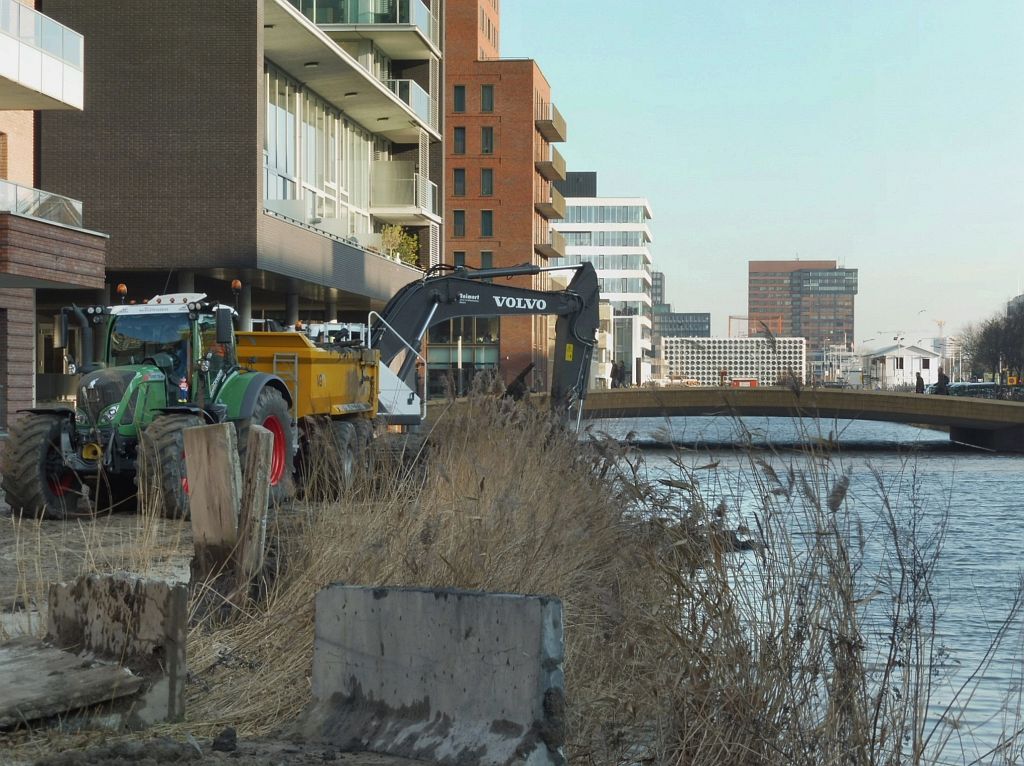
(215, 482)
(252, 527)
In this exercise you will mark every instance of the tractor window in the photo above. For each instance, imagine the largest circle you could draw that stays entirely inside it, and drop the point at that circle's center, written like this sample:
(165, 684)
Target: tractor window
(136, 337)
(219, 355)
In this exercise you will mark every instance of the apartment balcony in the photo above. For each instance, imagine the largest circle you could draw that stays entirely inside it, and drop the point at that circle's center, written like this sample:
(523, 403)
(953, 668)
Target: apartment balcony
(408, 31)
(550, 123)
(401, 197)
(40, 61)
(553, 248)
(43, 243)
(413, 94)
(552, 169)
(553, 207)
(397, 110)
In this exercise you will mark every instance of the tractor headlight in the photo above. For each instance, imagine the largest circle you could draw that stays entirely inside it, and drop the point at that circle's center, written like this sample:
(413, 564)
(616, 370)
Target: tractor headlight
(108, 414)
(81, 418)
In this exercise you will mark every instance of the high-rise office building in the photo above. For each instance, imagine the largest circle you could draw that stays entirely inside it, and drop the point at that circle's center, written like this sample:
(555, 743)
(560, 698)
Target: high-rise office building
(500, 164)
(613, 234)
(269, 140)
(809, 299)
(44, 243)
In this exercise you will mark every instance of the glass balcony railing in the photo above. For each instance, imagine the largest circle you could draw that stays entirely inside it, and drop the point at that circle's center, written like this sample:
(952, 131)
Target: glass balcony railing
(35, 29)
(405, 12)
(416, 97)
(418, 191)
(15, 198)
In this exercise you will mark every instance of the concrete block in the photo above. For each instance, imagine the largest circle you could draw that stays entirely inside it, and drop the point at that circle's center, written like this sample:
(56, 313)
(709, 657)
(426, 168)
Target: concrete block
(453, 677)
(137, 623)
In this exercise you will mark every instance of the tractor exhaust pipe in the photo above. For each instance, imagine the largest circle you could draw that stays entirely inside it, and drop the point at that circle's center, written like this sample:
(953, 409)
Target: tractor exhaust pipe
(88, 360)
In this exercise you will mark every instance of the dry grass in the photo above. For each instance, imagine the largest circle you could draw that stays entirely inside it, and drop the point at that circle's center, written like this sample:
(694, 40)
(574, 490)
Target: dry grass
(678, 651)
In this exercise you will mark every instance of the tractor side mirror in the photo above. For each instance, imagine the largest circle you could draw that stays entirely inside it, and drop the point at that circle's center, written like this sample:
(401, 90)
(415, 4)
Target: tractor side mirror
(60, 330)
(225, 327)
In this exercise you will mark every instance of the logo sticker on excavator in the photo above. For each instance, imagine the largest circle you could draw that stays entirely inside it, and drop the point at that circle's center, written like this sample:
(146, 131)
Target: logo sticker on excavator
(568, 352)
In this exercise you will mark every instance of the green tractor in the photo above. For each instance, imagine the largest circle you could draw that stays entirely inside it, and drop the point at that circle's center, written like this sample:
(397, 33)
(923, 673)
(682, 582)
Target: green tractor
(167, 365)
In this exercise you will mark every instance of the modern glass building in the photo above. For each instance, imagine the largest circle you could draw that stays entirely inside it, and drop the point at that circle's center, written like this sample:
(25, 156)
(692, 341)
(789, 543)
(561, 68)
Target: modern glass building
(613, 234)
(282, 142)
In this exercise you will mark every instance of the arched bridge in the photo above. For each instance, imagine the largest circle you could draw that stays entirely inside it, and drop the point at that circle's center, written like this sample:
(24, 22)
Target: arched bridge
(985, 423)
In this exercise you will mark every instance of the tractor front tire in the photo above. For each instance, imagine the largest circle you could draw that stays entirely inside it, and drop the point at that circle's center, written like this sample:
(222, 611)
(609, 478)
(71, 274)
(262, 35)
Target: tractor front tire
(271, 412)
(163, 450)
(35, 480)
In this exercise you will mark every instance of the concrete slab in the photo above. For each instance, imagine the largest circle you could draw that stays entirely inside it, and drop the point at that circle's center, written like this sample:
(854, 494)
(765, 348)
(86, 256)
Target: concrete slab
(136, 622)
(453, 677)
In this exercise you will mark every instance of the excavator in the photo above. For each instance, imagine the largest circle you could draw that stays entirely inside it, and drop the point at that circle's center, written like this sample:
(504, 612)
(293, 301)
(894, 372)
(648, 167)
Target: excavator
(176, 362)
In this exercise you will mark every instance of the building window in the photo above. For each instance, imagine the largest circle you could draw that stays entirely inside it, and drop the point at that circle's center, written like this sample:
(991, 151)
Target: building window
(486, 223)
(459, 182)
(926, 364)
(486, 182)
(486, 98)
(459, 257)
(459, 99)
(459, 223)
(487, 140)
(899, 362)
(459, 142)
(486, 259)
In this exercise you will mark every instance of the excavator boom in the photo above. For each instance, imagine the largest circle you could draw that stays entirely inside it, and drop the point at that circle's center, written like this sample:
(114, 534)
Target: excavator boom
(398, 333)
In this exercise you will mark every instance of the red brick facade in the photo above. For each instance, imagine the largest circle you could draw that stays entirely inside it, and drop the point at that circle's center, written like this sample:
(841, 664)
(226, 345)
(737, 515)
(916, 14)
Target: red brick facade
(518, 87)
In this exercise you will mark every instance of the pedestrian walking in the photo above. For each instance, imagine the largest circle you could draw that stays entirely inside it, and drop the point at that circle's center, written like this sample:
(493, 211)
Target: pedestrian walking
(613, 376)
(919, 385)
(942, 387)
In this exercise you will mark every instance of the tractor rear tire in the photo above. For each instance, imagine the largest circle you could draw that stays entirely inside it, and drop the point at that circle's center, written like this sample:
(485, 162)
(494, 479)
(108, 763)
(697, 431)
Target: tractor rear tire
(35, 480)
(271, 412)
(163, 449)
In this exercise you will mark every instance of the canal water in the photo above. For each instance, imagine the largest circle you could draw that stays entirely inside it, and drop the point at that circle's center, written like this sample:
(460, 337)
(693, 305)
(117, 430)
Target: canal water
(977, 497)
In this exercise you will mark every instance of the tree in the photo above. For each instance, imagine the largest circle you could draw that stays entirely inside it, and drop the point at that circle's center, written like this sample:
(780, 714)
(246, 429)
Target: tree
(397, 242)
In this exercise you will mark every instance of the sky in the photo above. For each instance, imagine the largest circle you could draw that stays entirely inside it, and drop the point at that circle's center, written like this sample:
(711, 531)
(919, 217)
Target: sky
(888, 136)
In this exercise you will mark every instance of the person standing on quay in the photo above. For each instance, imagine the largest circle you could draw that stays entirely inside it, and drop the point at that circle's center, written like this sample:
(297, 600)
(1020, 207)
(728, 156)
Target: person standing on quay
(919, 385)
(613, 376)
(942, 387)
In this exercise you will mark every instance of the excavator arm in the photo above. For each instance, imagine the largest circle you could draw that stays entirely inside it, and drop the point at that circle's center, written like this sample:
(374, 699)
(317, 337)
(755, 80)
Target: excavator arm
(399, 330)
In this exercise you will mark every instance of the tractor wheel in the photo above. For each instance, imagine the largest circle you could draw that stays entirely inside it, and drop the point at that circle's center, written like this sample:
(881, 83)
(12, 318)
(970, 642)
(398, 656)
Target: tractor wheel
(345, 443)
(35, 480)
(163, 450)
(272, 413)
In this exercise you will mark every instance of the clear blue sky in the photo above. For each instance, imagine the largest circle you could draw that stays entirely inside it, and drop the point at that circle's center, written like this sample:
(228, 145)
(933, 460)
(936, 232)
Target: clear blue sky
(886, 135)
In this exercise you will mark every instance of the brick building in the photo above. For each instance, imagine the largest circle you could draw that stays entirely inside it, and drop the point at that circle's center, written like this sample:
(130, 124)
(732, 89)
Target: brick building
(809, 299)
(44, 244)
(499, 199)
(268, 140)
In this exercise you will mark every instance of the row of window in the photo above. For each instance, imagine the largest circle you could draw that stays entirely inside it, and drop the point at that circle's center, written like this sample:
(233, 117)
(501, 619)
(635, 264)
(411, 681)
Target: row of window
(605, 214)
(459, 182)
(459, 223)
(486, 140)
(486, 260)
(605, 238)
(486, 99)
(607, 261)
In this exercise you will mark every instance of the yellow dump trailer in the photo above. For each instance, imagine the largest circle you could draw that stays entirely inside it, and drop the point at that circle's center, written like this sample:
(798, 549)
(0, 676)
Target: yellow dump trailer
(335, 381)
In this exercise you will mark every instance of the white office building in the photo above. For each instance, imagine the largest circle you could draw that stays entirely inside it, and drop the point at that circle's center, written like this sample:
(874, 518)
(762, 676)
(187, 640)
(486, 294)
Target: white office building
(613, 234)
(712, 361)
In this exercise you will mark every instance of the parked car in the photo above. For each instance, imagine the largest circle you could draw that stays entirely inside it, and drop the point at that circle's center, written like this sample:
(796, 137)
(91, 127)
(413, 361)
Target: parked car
(977, 390)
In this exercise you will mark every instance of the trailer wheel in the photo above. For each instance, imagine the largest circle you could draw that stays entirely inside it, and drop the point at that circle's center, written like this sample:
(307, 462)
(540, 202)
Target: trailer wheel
(35, 480)
(364, 437)
(271, 412)
(163, 450)
(345, 442)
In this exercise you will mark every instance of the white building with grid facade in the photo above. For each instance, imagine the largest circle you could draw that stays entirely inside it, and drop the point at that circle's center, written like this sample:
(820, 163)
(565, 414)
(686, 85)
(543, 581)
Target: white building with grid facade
(767, 360)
